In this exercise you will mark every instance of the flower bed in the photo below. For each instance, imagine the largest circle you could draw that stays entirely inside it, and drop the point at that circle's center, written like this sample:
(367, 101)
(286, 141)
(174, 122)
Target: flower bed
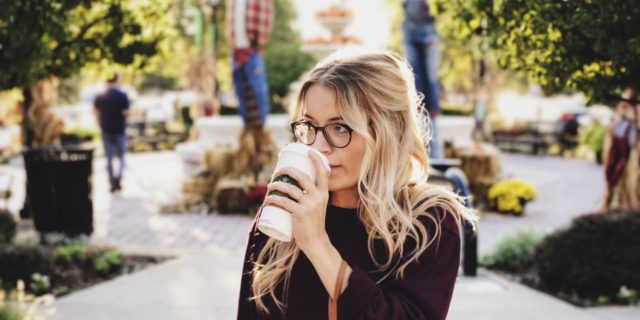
(594, 261)
(62, 269)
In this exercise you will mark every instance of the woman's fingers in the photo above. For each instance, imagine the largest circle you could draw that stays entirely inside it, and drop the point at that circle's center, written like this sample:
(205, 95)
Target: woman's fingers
(285, 189)
(282, 202)
(300, 177)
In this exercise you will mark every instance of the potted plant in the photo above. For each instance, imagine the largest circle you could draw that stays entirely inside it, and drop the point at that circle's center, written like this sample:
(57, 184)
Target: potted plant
(510, 196)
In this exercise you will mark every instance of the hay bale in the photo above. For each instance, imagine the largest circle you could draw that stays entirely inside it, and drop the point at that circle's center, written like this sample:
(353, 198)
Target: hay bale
(479, 163)
(198, 185)
(219, 160)
(230, 195)
(256, 150)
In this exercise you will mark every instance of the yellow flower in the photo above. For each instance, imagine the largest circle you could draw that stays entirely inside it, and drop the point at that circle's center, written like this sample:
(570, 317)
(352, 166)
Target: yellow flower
(508, 194)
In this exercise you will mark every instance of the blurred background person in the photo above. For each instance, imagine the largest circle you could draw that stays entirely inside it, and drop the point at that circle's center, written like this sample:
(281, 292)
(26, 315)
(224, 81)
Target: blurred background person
(569, 134)
(621, 166)
(421, 47)
(112, 109)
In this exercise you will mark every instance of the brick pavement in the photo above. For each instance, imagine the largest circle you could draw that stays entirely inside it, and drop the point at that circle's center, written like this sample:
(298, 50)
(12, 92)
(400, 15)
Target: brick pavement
(566, 188)
(130, 220)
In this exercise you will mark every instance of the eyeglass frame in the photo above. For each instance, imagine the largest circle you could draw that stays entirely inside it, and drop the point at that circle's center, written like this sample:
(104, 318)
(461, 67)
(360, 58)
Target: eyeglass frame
(321, 129)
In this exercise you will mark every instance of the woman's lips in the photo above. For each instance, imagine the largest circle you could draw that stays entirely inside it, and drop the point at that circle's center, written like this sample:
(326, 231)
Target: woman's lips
(333, 167)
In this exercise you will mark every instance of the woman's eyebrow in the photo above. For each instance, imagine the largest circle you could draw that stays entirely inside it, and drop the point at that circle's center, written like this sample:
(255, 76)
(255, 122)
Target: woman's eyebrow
(331, 119)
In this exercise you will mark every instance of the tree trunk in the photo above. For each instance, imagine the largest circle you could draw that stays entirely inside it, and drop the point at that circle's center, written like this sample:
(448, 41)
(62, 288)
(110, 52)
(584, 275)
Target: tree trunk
(27, 132)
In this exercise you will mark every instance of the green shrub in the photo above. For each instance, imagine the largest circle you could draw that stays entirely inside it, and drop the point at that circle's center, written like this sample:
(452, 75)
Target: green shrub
(104, 259)
(8, 227)
(628, 296)
(20, 262)
(514, 253)
(40, 283)
(456, 109)
(595, 137)
(86, 133)
(70, 253)
(595, 256)
(10, 313)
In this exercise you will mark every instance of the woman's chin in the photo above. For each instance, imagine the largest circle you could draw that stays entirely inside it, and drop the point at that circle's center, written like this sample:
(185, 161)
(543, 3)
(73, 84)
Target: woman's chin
(340, 185)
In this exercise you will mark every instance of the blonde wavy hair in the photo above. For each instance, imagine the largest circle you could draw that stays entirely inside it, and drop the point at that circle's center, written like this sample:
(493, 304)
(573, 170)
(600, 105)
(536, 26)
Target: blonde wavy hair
(376, 97)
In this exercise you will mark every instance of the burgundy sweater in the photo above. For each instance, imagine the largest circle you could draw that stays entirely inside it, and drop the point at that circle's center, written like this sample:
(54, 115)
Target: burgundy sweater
(423, 293)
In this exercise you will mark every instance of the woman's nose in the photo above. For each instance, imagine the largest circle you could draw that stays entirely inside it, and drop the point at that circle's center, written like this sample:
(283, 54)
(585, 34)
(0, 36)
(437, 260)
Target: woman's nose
(321, 144)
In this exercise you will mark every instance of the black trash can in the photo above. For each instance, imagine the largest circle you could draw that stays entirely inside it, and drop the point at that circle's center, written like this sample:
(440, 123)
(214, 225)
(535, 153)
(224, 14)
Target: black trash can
(59, 188)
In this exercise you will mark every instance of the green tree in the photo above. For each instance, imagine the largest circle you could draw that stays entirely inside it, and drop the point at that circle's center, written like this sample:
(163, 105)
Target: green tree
(395, 16)
(39, 39)
(460, 48)
(284, 60)
(168, 68)
(588, 45)
(43, 38)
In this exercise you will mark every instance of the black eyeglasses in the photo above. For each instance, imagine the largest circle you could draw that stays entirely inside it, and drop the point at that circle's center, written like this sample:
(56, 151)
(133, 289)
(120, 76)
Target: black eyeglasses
(337, 135)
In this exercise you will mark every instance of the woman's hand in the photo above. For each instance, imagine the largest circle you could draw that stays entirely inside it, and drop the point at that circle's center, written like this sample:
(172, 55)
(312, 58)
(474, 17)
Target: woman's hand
(309, 205)
(308, 211)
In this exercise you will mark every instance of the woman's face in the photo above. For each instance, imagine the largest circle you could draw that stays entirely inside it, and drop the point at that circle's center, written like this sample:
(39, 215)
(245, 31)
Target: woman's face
(321, 110)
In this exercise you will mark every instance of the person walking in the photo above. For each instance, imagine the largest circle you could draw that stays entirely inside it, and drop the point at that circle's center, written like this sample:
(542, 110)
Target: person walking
(112, 109)
(421, 47)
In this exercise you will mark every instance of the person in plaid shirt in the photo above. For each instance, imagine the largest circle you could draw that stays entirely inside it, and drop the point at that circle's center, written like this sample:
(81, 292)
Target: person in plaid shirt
(251, 22)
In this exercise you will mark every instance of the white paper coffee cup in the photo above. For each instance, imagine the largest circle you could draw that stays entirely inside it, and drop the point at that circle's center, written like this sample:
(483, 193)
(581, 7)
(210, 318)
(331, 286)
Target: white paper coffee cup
(275, 221)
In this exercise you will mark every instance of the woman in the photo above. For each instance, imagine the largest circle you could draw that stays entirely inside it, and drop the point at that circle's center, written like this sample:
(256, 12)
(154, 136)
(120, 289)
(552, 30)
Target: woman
(368, 237)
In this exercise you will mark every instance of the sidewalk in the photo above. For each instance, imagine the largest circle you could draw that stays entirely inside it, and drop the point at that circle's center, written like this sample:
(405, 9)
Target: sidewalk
(182, 289)
(202, 281)
(189, 287)
(490, 296)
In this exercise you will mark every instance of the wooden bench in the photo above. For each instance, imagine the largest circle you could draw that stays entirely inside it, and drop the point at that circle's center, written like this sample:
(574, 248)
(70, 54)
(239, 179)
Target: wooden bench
(152, 135)
(523, 140)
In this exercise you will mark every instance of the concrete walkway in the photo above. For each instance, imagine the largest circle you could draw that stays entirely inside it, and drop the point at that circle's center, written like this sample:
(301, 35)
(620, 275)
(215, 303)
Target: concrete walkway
(202, 282)
(206, 287)
(189, 287)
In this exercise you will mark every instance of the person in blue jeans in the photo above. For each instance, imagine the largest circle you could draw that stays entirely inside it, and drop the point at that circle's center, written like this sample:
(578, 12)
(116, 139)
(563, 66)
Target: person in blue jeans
(112, 109)
(421, 47)
(252, 87)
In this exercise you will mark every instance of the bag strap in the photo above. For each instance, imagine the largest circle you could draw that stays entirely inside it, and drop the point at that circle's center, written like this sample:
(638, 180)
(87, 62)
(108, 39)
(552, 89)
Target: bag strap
(333, 302)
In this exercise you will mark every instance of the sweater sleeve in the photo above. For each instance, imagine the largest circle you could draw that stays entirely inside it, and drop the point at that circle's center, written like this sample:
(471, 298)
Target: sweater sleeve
(424, 292)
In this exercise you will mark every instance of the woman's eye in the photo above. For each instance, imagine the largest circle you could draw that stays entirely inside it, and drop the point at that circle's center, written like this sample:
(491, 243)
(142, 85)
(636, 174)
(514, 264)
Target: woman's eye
(339, 128)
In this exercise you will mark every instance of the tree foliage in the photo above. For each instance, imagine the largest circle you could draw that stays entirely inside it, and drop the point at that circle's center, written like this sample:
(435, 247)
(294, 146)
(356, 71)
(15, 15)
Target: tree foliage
(460, 49)
(167, 69)
(284, 60)
(58, 37)
(588, 45)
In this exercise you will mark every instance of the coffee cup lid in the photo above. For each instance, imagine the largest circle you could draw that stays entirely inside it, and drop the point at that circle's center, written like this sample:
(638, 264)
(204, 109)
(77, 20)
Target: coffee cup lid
(305, 149)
